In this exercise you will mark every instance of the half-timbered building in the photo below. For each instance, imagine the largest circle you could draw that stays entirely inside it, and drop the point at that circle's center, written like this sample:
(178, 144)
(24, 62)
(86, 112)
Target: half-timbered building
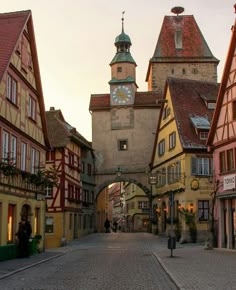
(23, 133)
(70, 205)
(222, 141)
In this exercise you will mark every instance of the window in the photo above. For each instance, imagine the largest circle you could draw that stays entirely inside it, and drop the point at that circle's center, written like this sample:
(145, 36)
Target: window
(174, 172)
(5, 146)
(230, 159)
(49, 223)
(222, 162)
(203, 210)
(166, 112)
(143, 204)
(77, 194)
(11, 222)
(172, 140)
(172, 71)
(123, 145)
(161, 147)
(203, 135)
(119, 69)
(161, 177)
(23, 156)
(71, 159)
(201, 166)
(32, 108)
(178, 39)
(194, 71)
(48, 191)
(34, 162)
(70, 191)
(37, 221)
(11, 89)
(183, 71)
(13, 149)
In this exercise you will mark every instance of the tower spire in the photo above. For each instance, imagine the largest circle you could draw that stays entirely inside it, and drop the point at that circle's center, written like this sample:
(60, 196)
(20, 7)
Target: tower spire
(122, 19)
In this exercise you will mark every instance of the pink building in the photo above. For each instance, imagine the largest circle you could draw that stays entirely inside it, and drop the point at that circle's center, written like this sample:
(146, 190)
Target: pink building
(222, 140)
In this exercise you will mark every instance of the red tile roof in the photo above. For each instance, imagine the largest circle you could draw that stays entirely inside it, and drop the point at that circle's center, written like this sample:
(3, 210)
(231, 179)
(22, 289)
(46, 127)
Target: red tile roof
(11, 27)
(194, 46)
(142, 99)
(188, 101)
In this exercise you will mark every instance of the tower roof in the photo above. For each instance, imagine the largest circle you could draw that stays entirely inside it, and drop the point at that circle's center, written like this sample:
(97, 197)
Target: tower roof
(181, 40)
(123, 43)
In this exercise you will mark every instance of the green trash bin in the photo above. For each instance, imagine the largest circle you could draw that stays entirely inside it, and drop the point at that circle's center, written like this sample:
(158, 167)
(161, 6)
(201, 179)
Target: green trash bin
(33, 247)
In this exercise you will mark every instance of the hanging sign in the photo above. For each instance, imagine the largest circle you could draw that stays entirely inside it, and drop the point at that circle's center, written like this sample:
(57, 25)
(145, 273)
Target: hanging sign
(229, 182)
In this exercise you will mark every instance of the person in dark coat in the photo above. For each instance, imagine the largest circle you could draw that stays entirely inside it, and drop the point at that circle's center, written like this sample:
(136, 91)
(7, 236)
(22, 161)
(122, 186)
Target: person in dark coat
(23, 234)
(115, 224)
(107, 225)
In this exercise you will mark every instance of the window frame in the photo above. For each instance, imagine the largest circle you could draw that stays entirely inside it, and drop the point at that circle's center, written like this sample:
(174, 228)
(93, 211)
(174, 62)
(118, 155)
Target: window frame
(203, 211)
(202, 166)
(172, 140)
(11, 94)
(32, 108)
(123, 144)
(161, 147)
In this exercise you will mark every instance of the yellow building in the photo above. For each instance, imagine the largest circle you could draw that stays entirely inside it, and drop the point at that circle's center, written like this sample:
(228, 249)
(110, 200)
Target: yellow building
(136, 208)
(181, 161)
(22, 127)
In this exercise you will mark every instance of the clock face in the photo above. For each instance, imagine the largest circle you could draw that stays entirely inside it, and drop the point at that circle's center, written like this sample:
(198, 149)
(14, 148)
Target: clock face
(121, 95)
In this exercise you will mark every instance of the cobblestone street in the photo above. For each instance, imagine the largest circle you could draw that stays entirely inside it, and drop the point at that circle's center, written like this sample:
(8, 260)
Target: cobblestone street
(103, 261)
(122, 261)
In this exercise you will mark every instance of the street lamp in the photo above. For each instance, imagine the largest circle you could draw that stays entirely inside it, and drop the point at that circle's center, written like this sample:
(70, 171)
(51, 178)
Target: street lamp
(152, 180)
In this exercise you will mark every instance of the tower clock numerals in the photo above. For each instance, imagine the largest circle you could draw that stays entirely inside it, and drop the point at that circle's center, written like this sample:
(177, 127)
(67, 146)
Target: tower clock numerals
(121, 94)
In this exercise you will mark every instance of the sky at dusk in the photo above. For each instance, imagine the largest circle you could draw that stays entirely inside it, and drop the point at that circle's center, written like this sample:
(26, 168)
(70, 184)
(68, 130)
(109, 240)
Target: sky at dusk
(75, 44)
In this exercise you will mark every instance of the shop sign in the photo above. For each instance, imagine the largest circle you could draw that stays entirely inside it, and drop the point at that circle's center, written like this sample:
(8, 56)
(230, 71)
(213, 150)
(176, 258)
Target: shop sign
(229, 182)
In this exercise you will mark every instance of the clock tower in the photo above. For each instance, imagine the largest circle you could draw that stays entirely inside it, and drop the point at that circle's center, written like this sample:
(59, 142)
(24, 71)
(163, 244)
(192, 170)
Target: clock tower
(123, 82)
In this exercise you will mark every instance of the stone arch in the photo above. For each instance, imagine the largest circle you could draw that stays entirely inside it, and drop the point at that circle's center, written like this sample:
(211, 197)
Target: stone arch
(107, 182)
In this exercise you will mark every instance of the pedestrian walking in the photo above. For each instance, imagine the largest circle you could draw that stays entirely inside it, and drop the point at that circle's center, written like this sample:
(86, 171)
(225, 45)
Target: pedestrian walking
(23, 234)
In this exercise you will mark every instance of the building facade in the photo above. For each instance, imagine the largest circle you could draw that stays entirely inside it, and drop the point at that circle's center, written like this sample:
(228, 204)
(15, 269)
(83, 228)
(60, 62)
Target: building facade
(23, 131)
(181, 160)
(70, 204)
(222, 142)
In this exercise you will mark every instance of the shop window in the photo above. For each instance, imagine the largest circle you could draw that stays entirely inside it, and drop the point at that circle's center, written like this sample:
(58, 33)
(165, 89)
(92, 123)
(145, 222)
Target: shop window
(11, 222)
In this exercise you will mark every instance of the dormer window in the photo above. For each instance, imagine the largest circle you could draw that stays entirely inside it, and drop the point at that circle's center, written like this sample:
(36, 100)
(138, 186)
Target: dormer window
(178, 39)
(119, 69)
(201, 126)
(203, 135)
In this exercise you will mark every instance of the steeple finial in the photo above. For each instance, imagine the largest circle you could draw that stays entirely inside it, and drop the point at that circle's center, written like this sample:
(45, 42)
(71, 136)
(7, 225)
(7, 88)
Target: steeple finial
(122, 19)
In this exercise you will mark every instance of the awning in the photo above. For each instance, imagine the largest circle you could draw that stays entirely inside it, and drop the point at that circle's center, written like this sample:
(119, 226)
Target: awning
(228, 195)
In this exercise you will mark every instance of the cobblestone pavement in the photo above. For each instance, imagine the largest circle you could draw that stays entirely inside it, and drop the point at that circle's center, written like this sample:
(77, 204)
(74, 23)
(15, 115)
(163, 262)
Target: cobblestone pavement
(89, 263)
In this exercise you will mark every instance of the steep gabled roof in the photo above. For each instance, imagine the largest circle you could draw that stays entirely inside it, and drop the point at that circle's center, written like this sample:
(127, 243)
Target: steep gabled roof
(188, 105)
(194, 46)
(61, 132)
(12, 25)
(225, 79)
(142, 99)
